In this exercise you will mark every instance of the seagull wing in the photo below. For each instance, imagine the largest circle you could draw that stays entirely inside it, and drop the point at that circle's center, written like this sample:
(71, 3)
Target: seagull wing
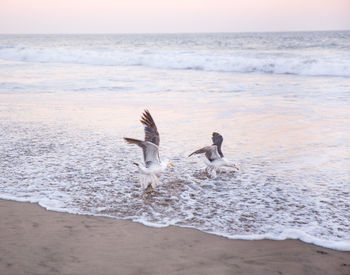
(210, 152)
(151, 132)
(217, 140)
(150, 151)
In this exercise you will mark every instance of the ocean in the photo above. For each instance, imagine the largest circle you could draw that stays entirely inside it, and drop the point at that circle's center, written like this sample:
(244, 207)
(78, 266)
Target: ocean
(280, 100)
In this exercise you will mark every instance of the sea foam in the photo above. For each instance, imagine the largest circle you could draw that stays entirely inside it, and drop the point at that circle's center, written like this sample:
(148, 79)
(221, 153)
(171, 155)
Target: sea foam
(235, 61)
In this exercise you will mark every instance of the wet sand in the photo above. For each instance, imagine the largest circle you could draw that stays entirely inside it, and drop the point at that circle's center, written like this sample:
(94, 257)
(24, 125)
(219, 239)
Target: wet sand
(36, 241)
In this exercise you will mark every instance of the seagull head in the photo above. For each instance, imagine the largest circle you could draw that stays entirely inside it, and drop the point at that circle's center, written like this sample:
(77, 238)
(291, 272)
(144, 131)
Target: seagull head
(165, 164)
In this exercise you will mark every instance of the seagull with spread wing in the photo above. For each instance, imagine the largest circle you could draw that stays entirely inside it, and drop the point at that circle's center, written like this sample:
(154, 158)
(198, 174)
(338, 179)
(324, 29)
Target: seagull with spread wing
(214, 156)
(150, 146)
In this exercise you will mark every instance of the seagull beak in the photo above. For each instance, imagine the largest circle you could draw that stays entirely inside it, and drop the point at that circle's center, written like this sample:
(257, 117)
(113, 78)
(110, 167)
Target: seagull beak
(171, 164)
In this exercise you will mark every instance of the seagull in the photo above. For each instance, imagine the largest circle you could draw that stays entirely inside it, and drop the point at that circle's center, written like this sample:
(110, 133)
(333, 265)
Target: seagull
(150, 146)
(215, 157)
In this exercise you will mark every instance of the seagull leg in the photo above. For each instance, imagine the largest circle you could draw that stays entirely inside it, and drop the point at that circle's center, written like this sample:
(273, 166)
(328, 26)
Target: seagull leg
(213, 173)
(144, 180)
(154, 181)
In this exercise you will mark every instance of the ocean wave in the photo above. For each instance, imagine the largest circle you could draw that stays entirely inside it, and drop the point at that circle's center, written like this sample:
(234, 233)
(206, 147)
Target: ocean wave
(233, 61)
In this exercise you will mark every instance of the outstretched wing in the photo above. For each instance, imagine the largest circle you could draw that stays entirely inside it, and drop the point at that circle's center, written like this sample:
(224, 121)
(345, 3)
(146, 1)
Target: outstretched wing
(151, 132)
(210, 152)
(150, 151)
(217, 140)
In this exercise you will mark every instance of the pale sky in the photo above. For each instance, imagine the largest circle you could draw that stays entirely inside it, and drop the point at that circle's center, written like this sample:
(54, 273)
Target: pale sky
(170, 16)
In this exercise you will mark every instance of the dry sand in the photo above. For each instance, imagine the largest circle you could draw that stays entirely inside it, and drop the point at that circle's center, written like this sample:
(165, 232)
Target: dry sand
(36, 241)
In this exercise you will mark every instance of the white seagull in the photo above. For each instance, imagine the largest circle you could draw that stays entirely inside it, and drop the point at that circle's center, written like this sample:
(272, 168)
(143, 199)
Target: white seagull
(150, 146)
(215, 157)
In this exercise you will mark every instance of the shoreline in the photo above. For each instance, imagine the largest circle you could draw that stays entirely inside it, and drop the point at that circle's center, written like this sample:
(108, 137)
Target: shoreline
(36, 240)
(342, 246)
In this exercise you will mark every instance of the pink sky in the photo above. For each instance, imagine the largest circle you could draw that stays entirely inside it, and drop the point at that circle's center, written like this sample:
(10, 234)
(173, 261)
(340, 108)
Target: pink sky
(142, 16)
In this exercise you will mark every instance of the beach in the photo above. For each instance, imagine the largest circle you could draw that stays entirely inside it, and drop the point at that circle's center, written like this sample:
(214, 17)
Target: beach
(36, 241)
(279, 100)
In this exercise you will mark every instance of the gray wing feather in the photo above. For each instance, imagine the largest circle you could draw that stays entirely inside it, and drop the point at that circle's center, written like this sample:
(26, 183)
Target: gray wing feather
(210, 152)
(151, 132)
(149, 149)
(217, 140)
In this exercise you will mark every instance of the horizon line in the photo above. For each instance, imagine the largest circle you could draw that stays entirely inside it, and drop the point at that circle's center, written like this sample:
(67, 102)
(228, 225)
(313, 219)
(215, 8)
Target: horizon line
(199, 32)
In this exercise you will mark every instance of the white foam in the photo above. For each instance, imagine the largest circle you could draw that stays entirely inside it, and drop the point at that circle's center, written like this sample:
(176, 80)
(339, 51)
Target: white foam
(54, 205)
(239, 62)
(293, 235)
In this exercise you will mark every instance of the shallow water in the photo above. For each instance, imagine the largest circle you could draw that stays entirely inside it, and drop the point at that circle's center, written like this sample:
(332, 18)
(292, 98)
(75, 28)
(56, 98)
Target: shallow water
(62, 123)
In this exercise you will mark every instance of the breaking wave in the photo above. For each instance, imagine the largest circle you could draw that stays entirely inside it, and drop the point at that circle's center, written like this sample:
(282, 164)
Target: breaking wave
(204, 60)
